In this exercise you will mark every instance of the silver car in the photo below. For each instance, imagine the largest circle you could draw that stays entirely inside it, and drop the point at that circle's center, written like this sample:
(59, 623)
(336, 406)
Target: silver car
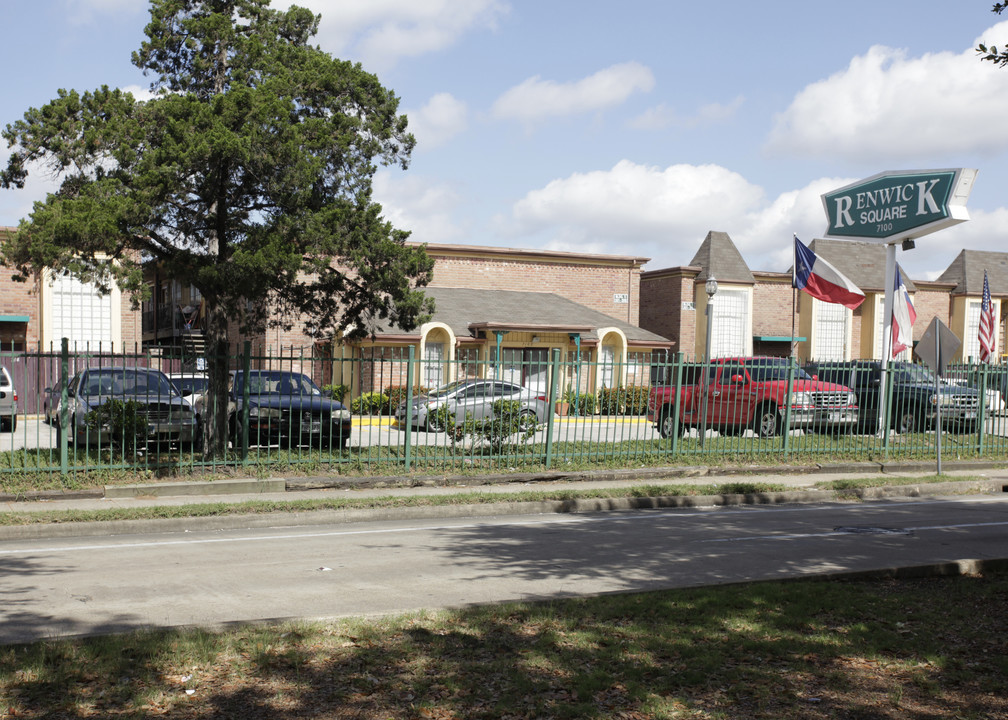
(474, 397)
(170, 418)
(8, 402)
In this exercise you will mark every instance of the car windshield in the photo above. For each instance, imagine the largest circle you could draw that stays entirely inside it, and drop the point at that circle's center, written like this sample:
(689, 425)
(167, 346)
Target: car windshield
(449, 388)
(906, 373)
(190, 385)
(277, 382)
(763, 369)
(126, 381)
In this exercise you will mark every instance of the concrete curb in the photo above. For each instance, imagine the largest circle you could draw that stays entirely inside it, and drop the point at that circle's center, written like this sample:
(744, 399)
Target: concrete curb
(476, 510)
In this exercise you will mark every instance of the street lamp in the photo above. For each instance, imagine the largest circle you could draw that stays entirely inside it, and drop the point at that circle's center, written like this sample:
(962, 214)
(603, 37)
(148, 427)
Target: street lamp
(711, 288)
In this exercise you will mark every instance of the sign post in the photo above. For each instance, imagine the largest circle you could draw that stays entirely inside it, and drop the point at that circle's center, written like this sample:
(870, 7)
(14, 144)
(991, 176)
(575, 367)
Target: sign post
(897, 207)
(935, 350)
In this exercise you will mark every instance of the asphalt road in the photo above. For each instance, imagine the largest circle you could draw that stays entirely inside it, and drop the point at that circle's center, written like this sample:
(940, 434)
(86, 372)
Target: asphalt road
(74, 586)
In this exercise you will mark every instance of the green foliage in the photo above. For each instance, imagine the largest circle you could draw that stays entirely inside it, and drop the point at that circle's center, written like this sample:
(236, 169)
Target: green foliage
(499, 431)
(121, 424)
(581, 402)
(623, 401)
(397, 394)
(336, 392)
(245, 175)
(372, 403)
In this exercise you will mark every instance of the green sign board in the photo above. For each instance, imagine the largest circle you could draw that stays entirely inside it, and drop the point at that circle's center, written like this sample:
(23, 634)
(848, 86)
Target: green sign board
(892, 206)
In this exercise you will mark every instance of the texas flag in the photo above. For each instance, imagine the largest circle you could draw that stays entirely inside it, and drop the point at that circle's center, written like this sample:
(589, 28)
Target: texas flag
(821, 280)
(903, 316)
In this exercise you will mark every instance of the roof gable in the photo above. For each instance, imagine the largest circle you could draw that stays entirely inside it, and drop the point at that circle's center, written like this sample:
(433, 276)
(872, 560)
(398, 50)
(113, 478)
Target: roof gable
(967, 272)
(719, 257)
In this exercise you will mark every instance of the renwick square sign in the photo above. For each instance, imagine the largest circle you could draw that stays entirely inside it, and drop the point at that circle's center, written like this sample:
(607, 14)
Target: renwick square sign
(895, 206)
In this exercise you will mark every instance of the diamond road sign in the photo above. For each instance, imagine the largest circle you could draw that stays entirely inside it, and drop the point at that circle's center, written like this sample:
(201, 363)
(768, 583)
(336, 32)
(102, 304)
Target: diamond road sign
(937, 347)
(894, 206)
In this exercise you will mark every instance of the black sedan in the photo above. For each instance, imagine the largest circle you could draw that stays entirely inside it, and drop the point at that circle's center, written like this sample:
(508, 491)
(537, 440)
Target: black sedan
(288, 409)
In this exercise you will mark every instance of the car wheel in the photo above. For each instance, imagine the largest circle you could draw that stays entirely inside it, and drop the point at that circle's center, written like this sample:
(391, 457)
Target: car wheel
(767, 423)
(527, 419)
(666, 422)
(905, 421)
(434, 423)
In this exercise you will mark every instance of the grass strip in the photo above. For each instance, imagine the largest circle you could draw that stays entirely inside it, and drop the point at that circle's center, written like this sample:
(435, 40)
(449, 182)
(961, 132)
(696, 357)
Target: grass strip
(782, 651)
(472, 497)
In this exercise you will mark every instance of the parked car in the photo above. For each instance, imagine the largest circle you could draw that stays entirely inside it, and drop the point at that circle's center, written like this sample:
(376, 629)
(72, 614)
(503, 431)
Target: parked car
(475, 397)
(8, 402)
(287, 408)
(752, 393)
(914, 397)
(170, 418)
(50, 402)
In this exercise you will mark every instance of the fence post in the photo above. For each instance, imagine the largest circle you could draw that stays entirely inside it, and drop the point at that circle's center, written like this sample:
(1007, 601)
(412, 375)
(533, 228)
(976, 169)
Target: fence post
(554, 376)
(64, 399)
(887, 393)
(676, 413)
(789, 399)
(409, 408)
(246, 366)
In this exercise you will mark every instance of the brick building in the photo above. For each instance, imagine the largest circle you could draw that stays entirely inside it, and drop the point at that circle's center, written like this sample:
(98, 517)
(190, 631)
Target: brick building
(758, 312)
(511, 310)
(35, 315)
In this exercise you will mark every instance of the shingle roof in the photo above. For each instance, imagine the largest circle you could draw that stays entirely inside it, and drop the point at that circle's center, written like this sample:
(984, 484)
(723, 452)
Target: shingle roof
(719, 256)
(967, 271)
(863, 263)
(459, 308)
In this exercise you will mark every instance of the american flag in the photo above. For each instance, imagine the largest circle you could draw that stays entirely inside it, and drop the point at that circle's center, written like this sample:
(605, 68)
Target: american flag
(985, 333)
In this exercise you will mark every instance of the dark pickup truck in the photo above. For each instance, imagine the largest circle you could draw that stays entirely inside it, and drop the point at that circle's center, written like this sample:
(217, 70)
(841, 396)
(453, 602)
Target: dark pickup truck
(914, 397)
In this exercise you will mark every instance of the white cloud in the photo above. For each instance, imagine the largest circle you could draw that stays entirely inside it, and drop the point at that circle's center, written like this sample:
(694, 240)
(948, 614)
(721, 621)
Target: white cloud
(381, 32)
(412, 202)
(437, 122)
(637, 209)
(662, 116)
(535, 98)
(888, 106)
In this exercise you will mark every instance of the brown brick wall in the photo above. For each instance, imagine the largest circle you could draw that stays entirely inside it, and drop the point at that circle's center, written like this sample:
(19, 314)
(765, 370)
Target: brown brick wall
(663, 293)
(582, 279)
(774, 306)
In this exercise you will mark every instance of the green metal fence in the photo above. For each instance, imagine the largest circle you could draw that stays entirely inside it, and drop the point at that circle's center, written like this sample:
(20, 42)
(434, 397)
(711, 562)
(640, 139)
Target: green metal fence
(559, 414)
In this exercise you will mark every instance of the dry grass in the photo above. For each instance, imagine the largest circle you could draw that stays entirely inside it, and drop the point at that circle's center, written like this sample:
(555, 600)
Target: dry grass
(811, 649)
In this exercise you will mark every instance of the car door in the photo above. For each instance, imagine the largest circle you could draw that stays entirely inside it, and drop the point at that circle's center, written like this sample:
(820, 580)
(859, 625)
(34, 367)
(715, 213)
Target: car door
(732, 395)
(470, 400)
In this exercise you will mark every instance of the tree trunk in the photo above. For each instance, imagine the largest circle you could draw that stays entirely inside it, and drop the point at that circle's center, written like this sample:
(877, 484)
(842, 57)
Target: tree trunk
(215, 419)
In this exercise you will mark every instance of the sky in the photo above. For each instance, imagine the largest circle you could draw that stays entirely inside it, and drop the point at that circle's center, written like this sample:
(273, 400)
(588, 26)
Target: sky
(629, 128)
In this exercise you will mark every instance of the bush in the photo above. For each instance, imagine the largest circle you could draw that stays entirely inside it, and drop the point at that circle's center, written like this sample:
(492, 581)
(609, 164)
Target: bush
(623, 401)
(122, 424)
(398, 393)
(372, 403)
(507, 421)
(336, 392)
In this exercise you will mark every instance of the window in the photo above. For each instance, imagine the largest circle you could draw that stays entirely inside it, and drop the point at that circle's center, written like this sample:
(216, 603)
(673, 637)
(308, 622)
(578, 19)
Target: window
(731, 314)
(832, 328)
(80, 313)
(971, 343)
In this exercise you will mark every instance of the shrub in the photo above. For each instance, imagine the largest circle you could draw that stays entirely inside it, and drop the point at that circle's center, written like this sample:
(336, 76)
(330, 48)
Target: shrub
(507, 422)
(398, 393)
(372, 403)
(122, 424)
(612, 401)
(336, 392)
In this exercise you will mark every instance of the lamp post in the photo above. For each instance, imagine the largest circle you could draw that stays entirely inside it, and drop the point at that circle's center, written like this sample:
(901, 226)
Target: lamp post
(711, 288)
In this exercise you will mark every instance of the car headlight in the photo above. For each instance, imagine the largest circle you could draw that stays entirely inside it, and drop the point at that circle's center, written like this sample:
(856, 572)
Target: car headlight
(341, 414)
(263, 413)
(801, 398)
(933, 399)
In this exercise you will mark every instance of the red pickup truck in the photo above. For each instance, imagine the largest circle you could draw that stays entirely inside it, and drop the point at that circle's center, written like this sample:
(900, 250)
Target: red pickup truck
(753, 393)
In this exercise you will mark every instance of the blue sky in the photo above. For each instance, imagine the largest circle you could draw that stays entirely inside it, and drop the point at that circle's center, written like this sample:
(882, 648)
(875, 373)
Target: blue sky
(628, 128)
